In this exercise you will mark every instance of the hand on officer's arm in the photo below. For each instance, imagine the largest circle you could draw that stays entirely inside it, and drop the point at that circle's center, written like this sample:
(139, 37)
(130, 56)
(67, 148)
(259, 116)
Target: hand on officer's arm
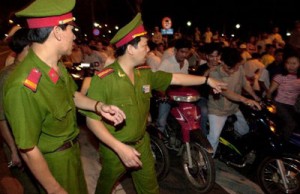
(110, 112)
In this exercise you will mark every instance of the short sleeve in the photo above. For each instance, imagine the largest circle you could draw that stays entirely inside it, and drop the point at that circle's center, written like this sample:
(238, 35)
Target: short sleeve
(96, 91)
(19, 103)
(160, 80)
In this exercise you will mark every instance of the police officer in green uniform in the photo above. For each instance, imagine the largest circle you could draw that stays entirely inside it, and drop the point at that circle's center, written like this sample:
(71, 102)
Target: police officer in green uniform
(40, 101)
(124, 83)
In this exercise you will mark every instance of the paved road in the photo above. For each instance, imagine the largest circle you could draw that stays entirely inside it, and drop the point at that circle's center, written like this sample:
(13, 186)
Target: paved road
(227, 179)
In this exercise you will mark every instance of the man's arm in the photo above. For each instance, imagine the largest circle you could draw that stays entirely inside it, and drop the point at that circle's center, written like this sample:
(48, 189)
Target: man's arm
(250, 91)
(191, 80)
(8, 138)
(239, 98)
(273, 87)
(110, 112)
(38, 166)
(128, 155)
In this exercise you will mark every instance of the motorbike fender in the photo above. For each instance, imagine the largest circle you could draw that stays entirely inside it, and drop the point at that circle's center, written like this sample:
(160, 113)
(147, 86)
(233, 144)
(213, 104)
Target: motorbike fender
(198, 137)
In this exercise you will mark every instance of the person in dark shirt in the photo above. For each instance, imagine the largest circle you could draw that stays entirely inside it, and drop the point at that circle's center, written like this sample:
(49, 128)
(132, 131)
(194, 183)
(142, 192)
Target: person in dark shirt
(212, 53)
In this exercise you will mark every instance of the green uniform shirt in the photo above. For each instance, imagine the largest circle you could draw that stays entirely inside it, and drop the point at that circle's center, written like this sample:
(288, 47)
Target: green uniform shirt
(117, 89)
(45, 118)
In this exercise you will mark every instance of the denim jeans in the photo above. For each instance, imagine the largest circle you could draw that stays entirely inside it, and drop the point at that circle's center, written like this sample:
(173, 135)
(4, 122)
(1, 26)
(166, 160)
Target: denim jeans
(163, 112)
(216, 124)
(202, 104)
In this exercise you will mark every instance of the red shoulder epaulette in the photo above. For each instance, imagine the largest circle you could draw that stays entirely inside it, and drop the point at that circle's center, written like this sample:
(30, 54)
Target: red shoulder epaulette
(33, 79)
(105, 72)
(143, 67)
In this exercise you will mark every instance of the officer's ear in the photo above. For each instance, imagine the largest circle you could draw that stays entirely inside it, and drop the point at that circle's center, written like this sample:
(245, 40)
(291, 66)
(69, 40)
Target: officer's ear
(130, 49)
(57, 32)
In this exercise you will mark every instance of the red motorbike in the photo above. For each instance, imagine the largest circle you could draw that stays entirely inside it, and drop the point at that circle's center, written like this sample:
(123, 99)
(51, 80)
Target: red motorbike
(184, 135)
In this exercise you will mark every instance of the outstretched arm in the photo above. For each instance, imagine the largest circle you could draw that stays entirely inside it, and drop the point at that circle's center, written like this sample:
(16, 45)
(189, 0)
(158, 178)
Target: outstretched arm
(191, 80)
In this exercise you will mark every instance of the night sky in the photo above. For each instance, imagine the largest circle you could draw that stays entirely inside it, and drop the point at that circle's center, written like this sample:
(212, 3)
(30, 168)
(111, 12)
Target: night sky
(221, 15)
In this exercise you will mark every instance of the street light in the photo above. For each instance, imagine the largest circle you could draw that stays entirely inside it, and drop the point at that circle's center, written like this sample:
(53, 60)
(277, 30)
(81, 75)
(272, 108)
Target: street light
(189, 23)
(96, 24)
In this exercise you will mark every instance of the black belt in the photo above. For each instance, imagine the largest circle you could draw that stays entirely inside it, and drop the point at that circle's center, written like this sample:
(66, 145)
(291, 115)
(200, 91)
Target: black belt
(134, 142)
(67, 145)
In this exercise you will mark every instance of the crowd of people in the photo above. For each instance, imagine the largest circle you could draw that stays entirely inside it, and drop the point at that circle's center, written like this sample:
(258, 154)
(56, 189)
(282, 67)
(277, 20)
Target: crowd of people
(39, 98)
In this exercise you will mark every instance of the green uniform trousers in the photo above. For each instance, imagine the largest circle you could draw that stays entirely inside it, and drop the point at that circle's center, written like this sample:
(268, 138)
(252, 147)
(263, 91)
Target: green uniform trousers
(67, 169)
(144, 179)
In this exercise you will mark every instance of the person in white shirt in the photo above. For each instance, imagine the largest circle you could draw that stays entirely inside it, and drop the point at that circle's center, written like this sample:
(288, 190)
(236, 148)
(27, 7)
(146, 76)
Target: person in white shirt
(176, 63)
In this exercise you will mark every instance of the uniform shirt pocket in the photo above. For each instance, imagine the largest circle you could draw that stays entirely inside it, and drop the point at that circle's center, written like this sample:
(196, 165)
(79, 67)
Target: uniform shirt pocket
(61, 112)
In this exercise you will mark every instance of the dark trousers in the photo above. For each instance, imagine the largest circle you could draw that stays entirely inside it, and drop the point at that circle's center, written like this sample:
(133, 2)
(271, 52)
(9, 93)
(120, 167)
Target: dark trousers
(287, 116)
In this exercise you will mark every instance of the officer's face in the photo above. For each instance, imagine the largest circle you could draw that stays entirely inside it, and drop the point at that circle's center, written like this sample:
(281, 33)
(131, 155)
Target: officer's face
(69, 37)
(142, 50)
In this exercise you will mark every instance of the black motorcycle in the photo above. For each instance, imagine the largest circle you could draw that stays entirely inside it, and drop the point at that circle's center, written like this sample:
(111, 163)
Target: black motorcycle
(277, 162)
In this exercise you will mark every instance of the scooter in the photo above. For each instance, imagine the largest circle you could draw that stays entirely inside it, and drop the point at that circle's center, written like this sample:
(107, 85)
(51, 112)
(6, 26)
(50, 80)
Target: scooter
(184, 136)
(277, 162)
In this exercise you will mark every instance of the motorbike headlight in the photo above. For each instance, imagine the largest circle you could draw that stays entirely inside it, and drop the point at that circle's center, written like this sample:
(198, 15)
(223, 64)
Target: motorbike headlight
(185, 98)
(272, 126)
(76, 76)
(78, 68)
(271, 109)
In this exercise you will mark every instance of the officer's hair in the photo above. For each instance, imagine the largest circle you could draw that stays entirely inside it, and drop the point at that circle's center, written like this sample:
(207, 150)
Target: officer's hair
(40, 35)
(121, 50)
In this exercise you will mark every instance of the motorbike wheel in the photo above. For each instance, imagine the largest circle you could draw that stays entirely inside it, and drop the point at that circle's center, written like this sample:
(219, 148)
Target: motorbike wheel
(161, 157)
(203, 174)
(269, 175)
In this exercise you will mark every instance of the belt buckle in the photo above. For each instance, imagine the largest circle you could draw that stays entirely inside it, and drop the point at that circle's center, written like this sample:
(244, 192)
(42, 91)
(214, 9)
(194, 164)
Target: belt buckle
(67, 144)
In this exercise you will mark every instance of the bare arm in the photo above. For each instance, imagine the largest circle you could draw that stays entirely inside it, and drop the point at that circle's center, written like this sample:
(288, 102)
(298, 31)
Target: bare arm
(239, 98)
(273, 87)
(250, 91)
(128, 155)
(110, 112)
(85, 85)
(39, 167)
(190, 80)
(8, 138)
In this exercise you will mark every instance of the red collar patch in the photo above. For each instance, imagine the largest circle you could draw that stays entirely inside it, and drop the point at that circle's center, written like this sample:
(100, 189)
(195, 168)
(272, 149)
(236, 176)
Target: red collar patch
(53, 75)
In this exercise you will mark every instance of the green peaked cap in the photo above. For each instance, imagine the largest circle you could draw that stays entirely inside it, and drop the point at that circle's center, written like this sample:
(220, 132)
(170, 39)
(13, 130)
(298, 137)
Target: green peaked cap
(45, 8)
(135, 26)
